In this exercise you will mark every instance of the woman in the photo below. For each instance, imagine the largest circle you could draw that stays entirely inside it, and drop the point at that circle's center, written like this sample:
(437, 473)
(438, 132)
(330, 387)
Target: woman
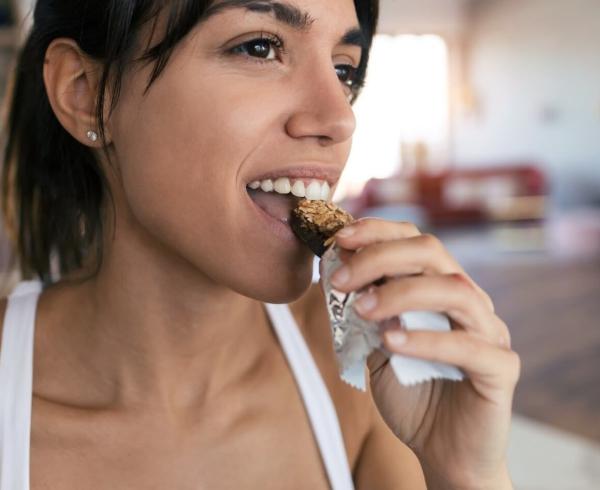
(137, 131)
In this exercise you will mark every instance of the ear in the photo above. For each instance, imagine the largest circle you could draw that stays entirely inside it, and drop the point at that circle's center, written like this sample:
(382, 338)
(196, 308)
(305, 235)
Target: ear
(71, 79)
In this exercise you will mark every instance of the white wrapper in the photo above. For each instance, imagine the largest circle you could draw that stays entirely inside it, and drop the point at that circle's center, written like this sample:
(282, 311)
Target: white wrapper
(354, 338)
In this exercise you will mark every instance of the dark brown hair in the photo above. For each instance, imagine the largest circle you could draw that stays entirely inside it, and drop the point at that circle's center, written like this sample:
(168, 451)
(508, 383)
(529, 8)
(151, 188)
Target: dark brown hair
(53, 190)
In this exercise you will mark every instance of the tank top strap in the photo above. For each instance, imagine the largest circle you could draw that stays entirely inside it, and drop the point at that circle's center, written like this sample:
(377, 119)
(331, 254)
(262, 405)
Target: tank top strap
(16, 384)
(316, 398)
(16, 378)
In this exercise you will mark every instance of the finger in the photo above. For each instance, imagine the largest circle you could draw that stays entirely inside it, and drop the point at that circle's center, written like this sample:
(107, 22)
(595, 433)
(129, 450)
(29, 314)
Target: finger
(410, 256)
(492, 370)
(448, 294)
(366, 231)
(370, 231)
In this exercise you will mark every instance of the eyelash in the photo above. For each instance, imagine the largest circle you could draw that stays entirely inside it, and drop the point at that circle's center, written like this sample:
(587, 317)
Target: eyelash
(354, 83)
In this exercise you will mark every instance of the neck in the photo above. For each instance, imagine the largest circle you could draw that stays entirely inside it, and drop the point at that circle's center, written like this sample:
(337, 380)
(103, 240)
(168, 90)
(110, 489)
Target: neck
(153, 333)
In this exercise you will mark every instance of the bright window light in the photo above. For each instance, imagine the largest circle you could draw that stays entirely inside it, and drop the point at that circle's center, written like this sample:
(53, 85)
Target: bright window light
(404, 102)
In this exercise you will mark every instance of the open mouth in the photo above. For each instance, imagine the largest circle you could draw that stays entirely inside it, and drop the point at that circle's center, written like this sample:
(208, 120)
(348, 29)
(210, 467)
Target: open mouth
(278, 206)
(278, 198)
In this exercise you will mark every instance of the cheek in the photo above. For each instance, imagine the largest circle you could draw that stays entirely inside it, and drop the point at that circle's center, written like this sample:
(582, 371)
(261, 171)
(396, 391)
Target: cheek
(181, 145)
(179, 151)
(197, 133)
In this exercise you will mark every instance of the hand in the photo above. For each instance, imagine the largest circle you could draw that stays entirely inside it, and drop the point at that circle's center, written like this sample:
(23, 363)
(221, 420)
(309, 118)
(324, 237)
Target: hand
(459, 430)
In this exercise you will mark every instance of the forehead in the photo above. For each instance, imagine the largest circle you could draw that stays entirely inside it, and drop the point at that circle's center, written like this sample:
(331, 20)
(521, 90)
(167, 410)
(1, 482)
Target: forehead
(300, 14)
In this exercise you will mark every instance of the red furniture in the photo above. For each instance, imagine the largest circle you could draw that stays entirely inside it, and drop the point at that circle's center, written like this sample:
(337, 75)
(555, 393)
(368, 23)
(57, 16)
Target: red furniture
(463, 196)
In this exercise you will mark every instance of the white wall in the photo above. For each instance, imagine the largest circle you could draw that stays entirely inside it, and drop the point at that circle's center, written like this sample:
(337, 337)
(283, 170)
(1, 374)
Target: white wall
(534, 68)
(422, 16)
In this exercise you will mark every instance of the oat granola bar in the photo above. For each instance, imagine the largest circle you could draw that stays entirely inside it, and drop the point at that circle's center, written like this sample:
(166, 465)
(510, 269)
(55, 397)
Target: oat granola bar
(316, 222)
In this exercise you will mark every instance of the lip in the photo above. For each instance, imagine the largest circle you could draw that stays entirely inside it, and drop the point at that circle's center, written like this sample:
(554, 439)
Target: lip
(328, 174)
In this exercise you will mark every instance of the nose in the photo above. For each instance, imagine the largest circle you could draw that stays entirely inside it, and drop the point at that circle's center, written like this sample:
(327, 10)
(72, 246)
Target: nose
(323, 110)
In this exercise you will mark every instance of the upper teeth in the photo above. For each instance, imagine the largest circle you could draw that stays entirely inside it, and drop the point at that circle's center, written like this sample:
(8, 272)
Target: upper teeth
(316, 190)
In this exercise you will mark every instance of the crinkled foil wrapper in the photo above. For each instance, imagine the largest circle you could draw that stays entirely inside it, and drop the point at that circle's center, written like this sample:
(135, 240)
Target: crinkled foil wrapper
(354, 338)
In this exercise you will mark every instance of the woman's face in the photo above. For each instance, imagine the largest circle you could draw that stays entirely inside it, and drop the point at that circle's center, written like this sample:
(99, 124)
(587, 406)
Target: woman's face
(223, 115)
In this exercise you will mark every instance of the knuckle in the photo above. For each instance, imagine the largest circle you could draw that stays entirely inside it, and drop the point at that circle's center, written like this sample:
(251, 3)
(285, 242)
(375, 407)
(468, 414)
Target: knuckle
(467, 286)
(505, 340)
(431, 241)
(409, 228)
(463, 281)
(515, 367)
(511, 366)
(460, 280)
(462, 288)
(503, 327)
(488, 300)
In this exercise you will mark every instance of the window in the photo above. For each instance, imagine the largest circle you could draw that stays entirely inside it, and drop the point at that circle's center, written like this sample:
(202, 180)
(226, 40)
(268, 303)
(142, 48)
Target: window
(405, 102)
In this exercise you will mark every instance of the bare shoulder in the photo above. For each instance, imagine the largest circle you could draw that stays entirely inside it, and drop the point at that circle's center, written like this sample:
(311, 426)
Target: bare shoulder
(378, 458)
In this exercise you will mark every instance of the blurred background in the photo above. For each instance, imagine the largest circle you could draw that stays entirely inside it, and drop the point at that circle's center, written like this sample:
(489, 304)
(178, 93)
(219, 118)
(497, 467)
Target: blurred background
(480, 122)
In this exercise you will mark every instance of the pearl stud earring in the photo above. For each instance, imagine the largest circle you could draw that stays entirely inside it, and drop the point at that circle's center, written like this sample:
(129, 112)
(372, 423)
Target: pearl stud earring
(92, 136)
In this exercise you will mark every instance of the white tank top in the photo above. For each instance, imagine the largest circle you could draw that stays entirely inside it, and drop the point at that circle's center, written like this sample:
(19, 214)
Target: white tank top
(16, 381)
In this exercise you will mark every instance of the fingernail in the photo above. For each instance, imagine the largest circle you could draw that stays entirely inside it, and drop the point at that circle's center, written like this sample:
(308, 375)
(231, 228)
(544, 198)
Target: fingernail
(341, 276)
(396, 339)
(346, 232)
(365, 303)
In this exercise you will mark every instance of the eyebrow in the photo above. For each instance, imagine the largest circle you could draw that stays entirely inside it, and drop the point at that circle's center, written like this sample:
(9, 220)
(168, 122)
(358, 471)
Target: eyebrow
(287, 14)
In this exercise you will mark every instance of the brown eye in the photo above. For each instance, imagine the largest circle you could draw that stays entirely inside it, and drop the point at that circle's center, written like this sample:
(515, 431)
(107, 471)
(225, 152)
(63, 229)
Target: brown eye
(348, 74)
(259, 48)
(345, 72)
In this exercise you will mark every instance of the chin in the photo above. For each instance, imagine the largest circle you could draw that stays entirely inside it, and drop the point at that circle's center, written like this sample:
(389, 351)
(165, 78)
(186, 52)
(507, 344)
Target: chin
(279, 288)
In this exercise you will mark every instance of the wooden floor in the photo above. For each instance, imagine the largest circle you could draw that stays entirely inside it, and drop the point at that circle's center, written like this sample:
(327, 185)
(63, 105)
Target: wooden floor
(553, 311)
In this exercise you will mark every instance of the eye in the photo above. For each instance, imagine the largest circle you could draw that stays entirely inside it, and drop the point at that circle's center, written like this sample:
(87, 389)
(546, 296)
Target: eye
(264, 49)
(260, 48)
(350, 77)
(346, 74)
